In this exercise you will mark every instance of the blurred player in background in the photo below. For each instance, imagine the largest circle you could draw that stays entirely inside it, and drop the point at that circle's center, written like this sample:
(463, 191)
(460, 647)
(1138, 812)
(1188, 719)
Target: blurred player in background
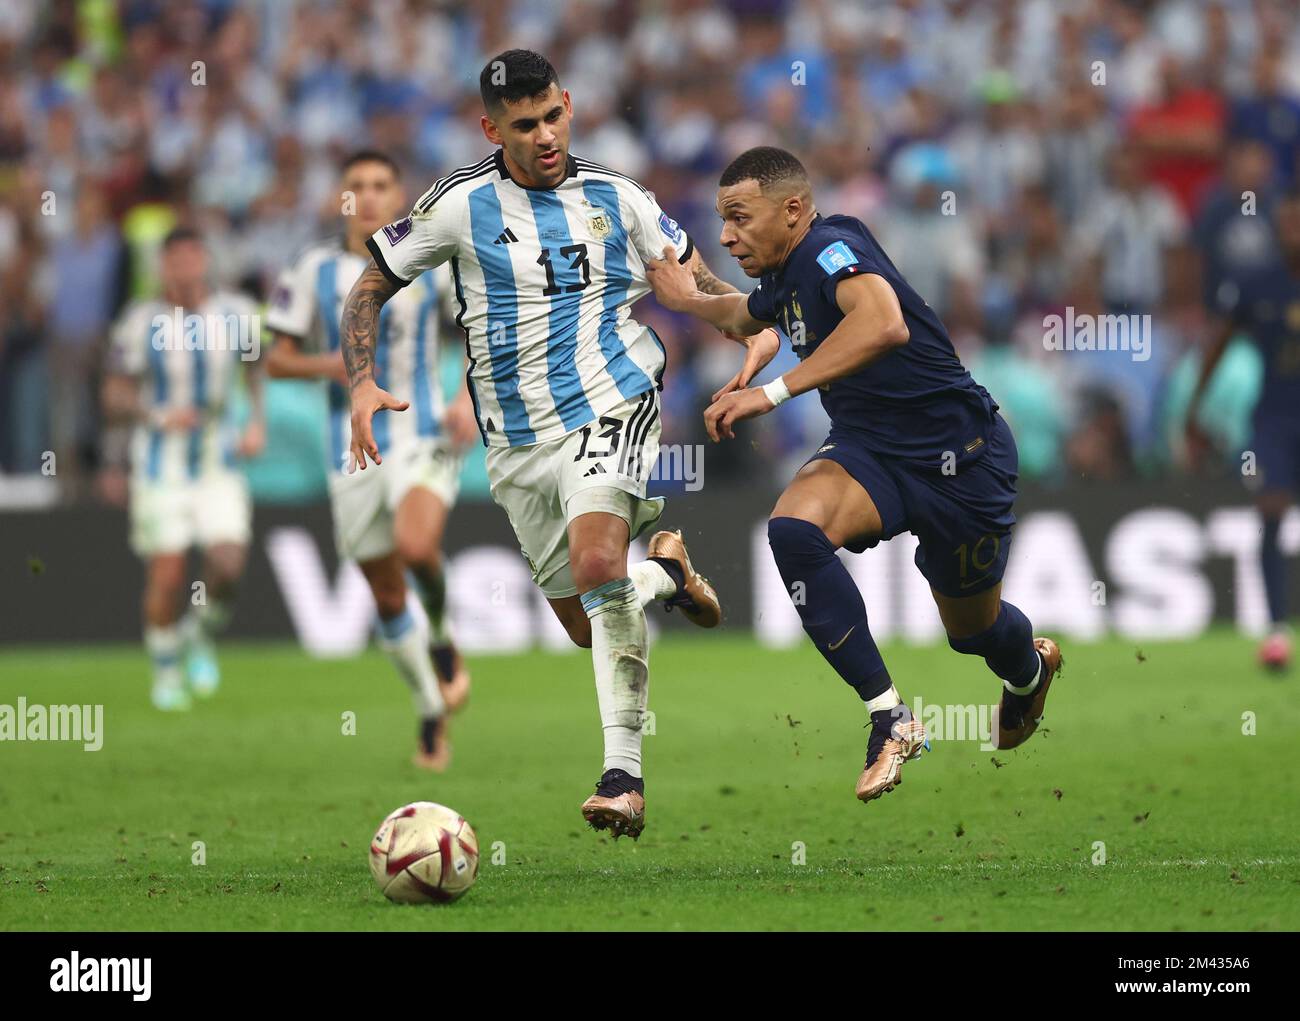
(172, 369)
(388, 521)
(548, 253)
(915, 445)
(1265, 306)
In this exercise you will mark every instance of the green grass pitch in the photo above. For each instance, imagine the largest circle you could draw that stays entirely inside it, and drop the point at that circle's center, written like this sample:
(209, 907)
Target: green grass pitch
(754, 757)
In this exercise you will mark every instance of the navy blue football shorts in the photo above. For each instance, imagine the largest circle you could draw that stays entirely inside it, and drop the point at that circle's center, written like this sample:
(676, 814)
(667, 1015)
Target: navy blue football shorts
(962, 521)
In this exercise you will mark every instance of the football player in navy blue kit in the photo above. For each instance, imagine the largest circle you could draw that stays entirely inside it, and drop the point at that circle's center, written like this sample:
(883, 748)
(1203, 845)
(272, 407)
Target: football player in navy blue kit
(915, 445)
(1266, 307)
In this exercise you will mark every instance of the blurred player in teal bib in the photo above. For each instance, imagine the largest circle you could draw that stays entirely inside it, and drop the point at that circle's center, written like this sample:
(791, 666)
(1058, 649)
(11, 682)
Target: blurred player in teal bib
(916, 445)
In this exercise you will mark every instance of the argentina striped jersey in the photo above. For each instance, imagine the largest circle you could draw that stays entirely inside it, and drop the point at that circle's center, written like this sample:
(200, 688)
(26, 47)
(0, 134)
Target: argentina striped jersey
(544, 279)
(307, 303)
(184, 358)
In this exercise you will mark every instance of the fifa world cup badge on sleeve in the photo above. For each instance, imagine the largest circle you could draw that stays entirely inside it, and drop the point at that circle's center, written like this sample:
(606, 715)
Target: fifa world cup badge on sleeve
(835, 257)
(396, 231)
(670, 228)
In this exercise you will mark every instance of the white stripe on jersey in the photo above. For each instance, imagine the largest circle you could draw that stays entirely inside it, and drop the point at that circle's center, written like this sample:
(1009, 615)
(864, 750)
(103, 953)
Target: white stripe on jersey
(545, 279)
(308, 304)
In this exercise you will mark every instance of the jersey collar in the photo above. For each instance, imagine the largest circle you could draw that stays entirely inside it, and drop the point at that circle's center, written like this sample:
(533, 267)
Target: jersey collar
(570, 168)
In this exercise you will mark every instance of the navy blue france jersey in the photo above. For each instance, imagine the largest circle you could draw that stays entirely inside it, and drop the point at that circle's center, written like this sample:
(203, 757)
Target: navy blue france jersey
(918, 401)
(1267, 307)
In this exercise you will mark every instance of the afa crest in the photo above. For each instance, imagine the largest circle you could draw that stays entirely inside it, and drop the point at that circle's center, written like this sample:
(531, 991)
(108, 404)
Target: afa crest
(599, 224)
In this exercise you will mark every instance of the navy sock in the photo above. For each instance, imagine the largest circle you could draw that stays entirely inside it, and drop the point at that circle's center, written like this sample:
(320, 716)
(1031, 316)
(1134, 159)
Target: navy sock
(1274, 567)
(1007, 647)
(829, 604)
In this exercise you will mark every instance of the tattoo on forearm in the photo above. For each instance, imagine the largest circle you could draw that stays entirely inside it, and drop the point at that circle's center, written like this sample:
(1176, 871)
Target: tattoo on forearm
(360, 323)
(707, 282)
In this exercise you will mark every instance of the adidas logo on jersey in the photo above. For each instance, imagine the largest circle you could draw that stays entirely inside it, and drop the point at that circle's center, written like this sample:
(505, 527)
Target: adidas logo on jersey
(505, 237)
(596, 469)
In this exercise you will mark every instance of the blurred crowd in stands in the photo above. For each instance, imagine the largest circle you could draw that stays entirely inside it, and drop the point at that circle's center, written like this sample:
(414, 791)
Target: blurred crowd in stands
(1014, 157)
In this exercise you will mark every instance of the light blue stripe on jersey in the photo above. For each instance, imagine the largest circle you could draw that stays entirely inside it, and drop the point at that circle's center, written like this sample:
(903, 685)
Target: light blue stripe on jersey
(628, 376)
(423, 383)
(195, 448)
(327, 299)
(159, 366)
(486, 225)
(381, 424)
(562, 333)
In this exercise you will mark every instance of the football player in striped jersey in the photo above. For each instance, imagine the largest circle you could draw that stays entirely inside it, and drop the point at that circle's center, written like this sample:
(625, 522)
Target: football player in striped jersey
(390, 521)
(173, 364)
(548, 253)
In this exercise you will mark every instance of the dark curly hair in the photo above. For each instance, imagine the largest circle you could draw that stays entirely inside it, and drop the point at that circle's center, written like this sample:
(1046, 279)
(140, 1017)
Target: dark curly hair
(514, 75)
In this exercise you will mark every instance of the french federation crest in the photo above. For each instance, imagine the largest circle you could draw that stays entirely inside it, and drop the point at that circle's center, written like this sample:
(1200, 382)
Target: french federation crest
(598, 222)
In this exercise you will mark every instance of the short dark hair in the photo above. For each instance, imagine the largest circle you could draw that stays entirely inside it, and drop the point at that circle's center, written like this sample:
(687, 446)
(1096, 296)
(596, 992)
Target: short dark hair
(178, 235)
(765, 164)
(369, 156)
(514, 75)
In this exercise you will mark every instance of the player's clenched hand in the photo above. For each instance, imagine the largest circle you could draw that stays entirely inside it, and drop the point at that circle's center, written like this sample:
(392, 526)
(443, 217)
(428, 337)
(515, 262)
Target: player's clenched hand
(734, 407)
(367, 399)
(761, 348)
(673, 283)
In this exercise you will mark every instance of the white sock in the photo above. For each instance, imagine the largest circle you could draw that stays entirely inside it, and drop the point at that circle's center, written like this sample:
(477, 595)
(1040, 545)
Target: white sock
(164, 645)
(619, 653)
(1031, 683)
(408, 647)
(885, 700)
(652, 582)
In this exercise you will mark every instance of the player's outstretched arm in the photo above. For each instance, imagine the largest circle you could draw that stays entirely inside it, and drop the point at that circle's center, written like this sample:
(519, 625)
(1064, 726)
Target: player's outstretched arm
(677, 288)
(287, 360)
(760, 346)
(872, 326)
(705, 280)
(683, 288)
(358, 330)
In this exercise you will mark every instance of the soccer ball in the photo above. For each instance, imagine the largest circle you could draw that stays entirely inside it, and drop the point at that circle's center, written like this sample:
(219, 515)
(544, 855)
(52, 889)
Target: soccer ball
(424, 853)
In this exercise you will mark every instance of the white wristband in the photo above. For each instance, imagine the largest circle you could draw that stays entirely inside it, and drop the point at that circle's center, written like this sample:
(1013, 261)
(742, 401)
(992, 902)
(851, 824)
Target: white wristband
(777, 392)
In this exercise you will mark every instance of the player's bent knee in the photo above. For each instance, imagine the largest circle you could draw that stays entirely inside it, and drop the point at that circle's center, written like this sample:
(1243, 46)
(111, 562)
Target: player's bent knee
(596, 565)
(419, 552)
(794, 540)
